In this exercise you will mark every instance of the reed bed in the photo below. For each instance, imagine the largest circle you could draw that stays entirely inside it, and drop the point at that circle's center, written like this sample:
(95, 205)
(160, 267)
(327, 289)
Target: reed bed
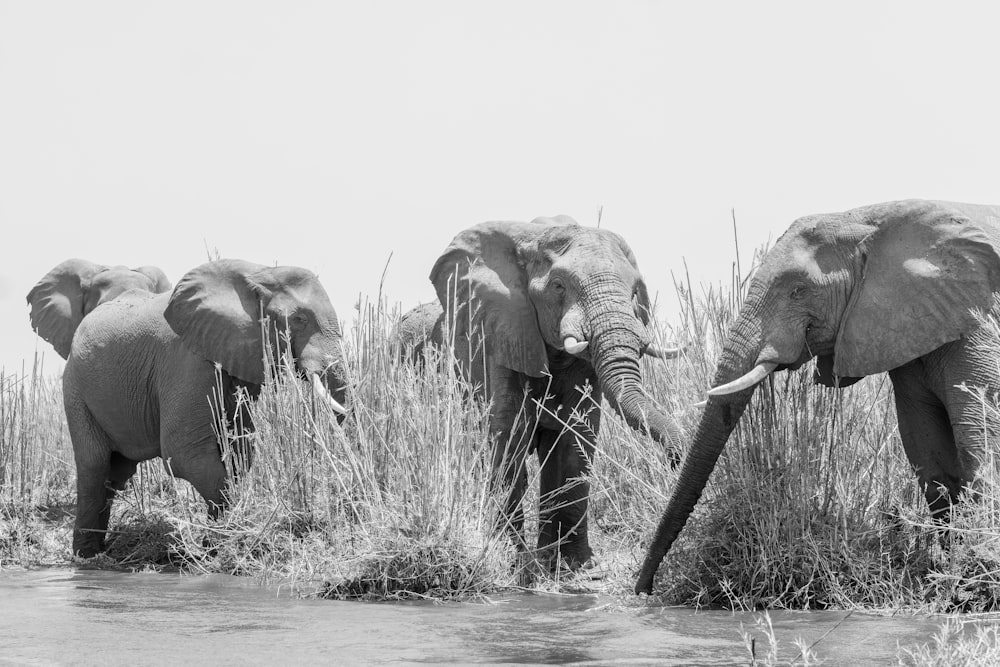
(812, 506)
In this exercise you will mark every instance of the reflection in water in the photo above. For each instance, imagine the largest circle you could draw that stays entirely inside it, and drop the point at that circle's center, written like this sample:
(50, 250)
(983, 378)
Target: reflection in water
(66, 616)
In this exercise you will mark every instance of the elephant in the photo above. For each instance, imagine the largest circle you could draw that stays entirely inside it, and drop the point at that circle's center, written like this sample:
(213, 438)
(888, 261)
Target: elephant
(145, 372)
(556, 313)
(894, 287)
(416, 329)
(71, 290)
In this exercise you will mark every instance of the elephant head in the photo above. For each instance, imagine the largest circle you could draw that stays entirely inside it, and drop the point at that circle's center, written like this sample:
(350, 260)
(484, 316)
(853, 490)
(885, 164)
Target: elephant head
(70, 291)
(535, 289)
(218, 310)
(864, 291)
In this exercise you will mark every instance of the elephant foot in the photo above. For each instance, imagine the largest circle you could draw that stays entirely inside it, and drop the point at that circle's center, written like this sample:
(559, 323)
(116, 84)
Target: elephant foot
(86, 546)
(561, 559)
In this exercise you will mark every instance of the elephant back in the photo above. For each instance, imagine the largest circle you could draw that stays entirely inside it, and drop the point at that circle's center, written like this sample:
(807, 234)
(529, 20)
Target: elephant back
(416, 329)
(64, 296)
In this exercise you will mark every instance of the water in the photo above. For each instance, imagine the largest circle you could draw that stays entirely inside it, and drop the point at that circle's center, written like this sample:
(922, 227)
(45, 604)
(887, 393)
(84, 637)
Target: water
(70, 616)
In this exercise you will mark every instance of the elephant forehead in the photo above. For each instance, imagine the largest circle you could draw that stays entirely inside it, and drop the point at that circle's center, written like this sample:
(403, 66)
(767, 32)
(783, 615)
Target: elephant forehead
(288, 276)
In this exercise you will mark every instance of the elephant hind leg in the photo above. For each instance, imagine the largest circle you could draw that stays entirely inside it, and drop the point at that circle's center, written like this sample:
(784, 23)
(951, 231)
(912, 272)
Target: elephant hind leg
(120, 472)
(92, 452)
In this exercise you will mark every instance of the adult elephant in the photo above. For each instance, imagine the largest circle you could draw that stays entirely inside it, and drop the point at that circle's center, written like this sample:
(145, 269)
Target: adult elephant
(889, 287)
(554, 313)
(145, 372)
(71, 290)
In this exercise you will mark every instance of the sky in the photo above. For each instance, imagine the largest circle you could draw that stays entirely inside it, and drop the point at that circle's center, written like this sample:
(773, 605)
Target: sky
(333, 135)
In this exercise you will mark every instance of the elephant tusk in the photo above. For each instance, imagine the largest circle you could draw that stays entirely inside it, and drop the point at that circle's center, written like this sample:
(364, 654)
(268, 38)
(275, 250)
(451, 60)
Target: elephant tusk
(323, 394)
(700, 404)
(574, 346)
(758, 373)
(664, 352)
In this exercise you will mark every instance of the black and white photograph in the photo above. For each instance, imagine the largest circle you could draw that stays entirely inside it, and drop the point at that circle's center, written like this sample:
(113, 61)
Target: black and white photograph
(448, 332)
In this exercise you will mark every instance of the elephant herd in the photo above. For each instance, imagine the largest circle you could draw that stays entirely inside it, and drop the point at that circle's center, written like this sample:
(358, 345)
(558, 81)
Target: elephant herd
(551, 314)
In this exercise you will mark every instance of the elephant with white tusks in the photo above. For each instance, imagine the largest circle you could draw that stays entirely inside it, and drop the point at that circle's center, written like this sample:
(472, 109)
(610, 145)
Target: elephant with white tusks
(144, 370)
(892, 287)
(554, 314)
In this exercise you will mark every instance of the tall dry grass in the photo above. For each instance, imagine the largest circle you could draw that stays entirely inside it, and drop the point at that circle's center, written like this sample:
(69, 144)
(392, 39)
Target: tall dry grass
(36, 467)
(813, 504)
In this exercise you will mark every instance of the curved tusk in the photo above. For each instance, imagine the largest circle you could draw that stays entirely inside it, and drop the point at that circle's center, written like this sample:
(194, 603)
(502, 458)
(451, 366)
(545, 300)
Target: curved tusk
(700, 404)
(323, 394)
(758, 373)
(664, 352)
(574, 346)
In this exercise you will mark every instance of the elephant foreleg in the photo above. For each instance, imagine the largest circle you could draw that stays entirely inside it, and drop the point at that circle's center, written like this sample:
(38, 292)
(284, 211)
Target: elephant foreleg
(928, 438)
(565, 458)
(512, 425)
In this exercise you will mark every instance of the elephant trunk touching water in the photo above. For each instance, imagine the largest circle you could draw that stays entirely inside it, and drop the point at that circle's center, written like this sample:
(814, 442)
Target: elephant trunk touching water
(892, 287)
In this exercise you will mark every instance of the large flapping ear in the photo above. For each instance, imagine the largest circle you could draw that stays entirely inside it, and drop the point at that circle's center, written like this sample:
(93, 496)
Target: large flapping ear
(157, 277)
(481, 281)
(216, 308)
(57, 302)
(926, 268)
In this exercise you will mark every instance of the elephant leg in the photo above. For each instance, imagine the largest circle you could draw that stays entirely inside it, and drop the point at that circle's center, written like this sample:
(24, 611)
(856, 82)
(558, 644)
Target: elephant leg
(92, 452)
(928, 438)
(189, 445)
(512, 426)
(120, 471)
(203, 468)
(565, 458)
(967, 368)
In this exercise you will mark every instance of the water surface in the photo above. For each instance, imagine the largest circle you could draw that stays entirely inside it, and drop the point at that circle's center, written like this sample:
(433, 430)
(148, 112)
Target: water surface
(78, 616)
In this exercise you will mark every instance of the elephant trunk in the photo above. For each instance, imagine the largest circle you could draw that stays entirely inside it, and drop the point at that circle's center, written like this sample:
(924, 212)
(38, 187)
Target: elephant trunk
(616, 349)
(720, 417)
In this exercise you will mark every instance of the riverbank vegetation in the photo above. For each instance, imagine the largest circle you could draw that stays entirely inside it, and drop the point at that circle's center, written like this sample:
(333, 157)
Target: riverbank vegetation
(812, 506)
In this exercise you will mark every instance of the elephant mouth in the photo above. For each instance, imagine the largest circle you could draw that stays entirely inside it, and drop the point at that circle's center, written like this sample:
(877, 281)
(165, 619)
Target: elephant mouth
(319, 389)
(317, 382)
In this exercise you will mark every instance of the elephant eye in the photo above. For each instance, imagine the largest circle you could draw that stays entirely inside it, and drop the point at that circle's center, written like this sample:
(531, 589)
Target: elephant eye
(558, 286)
(798, 293)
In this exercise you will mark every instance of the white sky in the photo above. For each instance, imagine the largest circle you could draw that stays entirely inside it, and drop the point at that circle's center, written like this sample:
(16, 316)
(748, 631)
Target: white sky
(328, 135)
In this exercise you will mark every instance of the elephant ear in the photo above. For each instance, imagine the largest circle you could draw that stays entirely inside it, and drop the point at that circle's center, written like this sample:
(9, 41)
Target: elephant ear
(58, 302)
(643, 307)
(926, 269)
(157, 277)
(216, 309)
(481, 280)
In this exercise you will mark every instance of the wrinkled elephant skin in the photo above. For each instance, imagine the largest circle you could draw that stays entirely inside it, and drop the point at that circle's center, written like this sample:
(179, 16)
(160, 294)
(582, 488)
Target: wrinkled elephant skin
(884, 288)
(555, 312)
(143, 369)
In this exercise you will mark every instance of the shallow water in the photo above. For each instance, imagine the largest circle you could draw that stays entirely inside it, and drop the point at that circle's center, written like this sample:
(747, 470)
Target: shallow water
(76, 616)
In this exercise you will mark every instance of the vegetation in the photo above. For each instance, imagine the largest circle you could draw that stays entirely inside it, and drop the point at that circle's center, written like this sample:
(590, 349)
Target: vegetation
(812, 506)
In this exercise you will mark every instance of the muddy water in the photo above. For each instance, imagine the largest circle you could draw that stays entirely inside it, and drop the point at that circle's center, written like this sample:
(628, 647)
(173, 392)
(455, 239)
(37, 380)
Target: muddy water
(66, 616)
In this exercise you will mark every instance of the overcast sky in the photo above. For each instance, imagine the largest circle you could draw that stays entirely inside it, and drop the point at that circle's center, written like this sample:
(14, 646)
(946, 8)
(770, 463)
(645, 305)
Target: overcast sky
(329, 135)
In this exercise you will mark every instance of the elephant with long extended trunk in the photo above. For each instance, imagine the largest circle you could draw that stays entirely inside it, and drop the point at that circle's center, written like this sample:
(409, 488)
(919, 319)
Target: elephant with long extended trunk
(553, 314)
(891, 288)
(152, 375)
